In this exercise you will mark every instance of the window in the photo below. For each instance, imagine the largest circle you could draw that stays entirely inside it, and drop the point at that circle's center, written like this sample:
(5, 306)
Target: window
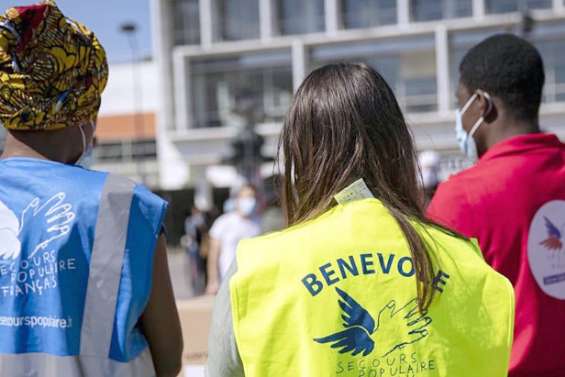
(407, 64)
(549, 38)
(368, 13)
(107, 152)
(300, 17)
(503, 6)
(428, 10)
(144, 149)
(238, 19)
(186, 22)
(264, 78)
(126, 151)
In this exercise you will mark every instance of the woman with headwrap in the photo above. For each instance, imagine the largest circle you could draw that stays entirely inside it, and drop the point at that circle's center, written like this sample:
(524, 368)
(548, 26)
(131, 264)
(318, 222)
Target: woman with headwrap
(84, 282)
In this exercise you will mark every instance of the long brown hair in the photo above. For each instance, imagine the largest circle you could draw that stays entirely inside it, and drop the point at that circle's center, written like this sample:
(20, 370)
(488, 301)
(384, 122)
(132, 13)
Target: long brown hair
(345, 124)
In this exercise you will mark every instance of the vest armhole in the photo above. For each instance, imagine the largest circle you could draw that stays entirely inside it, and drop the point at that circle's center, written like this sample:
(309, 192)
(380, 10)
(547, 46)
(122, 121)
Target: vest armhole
(235, 313)
(511, 312)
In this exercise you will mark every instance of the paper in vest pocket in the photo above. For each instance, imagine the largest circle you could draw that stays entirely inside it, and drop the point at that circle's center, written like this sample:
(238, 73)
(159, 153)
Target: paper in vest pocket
(358, 190)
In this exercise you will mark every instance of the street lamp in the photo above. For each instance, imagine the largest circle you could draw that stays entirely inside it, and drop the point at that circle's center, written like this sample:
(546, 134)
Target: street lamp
(130, 31)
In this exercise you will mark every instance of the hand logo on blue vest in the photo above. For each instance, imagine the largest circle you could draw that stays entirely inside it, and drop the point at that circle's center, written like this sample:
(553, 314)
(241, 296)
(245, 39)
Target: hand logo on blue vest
(362, 333)
(53, 218)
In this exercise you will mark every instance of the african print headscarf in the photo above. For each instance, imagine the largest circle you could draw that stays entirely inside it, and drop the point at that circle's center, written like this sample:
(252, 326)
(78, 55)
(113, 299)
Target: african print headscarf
(52, 70)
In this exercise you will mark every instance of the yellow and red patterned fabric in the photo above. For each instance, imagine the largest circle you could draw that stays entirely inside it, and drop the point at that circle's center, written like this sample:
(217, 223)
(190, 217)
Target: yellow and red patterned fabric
(53, 70)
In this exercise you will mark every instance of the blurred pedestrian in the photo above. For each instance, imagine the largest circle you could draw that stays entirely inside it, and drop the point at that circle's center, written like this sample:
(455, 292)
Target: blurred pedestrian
(513, 199)
(196, 241)
(84, 281)
(430, 165)
(226, 232)
(361, 284)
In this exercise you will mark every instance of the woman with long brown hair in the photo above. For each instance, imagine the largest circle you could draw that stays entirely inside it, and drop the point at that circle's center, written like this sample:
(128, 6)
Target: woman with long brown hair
(361, 283)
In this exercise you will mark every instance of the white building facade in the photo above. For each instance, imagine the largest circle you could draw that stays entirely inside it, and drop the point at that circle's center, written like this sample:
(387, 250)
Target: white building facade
(209, 51)
(127, 122)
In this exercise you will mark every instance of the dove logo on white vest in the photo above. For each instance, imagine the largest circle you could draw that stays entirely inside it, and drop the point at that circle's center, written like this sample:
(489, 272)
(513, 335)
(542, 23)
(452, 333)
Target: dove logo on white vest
(55, 217)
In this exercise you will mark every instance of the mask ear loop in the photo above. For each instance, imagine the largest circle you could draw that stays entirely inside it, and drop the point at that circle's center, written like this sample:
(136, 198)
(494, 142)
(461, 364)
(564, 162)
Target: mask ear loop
(489, 101)
(468, 103)
(83, 139)
(482, 118)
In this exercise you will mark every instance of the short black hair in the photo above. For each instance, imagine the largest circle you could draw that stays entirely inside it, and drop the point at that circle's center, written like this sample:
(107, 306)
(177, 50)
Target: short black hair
(510, 68)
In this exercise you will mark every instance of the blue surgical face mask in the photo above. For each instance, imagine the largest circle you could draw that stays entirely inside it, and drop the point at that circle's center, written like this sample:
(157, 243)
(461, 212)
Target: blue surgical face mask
(247, 206)
(465, 140)
(86, 159)
(229, 205)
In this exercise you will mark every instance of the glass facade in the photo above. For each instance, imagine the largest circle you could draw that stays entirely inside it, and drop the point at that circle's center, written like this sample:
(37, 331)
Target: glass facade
(407, 64)
(216, 83)
(368, 13)
(429, 10)
(300, 17)
(503, 6)
(126, 151)
(549, 38)
(237, 19)
(186, 20)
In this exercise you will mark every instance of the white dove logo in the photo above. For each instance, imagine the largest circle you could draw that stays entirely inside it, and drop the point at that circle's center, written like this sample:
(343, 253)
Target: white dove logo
(56, 215)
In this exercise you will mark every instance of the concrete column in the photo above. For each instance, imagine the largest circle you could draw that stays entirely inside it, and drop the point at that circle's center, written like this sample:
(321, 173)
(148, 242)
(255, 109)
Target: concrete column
(333, 16)
(206, 22)
(442, 67)
(299, 63)
(267, 18)
(479, 8)
(162, 31)
(559, 6)
(181, 85)
(173, 172)
(403, 10)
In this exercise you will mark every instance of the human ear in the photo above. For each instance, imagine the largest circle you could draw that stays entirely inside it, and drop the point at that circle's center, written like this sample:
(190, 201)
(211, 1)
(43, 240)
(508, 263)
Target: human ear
(487, 106)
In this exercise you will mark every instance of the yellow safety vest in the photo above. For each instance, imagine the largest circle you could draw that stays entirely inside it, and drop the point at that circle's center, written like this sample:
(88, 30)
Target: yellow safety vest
(336, 296)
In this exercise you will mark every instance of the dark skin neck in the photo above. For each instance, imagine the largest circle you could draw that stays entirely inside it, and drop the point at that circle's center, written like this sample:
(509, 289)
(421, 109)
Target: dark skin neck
(503, 128)
(63, 146)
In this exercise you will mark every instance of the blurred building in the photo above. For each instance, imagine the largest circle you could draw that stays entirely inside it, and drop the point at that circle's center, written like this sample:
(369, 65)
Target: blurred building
(209, 51)
(126, 126)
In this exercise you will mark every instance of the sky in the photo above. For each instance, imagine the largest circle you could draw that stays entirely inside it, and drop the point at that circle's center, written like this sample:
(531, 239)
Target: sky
(104, 17)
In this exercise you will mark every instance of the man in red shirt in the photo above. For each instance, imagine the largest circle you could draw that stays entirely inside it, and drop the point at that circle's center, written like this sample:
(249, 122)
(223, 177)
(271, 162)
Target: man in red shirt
(513, 199)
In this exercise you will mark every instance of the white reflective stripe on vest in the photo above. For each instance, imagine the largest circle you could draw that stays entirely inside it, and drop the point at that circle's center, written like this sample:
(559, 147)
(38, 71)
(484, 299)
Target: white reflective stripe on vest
(106, 264)
(44, 365)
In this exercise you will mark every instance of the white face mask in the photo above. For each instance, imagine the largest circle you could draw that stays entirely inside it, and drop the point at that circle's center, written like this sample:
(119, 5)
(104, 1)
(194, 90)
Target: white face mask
(465, 140)
(247, 206)
(86, 159)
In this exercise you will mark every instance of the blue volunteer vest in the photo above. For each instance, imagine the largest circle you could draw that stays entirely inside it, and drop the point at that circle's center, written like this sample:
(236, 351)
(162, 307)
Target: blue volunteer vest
(76, 253)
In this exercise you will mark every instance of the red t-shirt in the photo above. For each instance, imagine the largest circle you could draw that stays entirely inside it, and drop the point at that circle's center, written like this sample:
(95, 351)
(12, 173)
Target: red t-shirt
(513, 202)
